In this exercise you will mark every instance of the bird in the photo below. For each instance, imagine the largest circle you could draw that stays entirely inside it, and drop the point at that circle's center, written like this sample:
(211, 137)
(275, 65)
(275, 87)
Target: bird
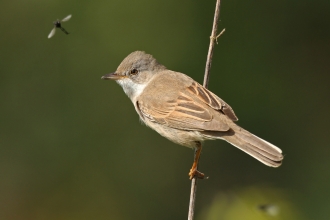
(183, 111)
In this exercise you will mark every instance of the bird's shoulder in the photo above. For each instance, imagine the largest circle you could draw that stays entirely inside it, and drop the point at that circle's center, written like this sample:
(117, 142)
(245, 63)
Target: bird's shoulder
(166, 86)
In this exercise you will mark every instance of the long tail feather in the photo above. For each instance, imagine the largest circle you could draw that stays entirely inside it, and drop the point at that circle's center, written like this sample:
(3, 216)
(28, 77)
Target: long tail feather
(258, 148)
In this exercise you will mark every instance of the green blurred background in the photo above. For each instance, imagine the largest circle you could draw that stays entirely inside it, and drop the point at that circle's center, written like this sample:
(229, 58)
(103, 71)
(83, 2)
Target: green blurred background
(72, 146)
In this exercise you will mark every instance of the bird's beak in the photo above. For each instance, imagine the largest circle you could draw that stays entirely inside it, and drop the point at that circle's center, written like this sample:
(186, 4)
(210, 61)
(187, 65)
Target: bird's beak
(113, 76)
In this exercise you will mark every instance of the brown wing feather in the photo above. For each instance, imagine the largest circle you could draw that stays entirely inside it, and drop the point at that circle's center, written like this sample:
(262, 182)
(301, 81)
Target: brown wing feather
(190, 109)
(212, 100)
(183, 105)
(185, 114)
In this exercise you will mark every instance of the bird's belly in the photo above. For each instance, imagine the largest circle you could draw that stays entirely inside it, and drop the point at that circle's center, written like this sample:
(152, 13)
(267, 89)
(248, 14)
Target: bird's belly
(178, 136)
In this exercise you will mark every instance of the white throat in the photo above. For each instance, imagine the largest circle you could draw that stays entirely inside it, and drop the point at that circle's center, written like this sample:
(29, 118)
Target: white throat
(132, 90)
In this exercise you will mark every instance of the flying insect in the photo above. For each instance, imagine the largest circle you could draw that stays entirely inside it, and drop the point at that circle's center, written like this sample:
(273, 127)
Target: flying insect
(57, 24)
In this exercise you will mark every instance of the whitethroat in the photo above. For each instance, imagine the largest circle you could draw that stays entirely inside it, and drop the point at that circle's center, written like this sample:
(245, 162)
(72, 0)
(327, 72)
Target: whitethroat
(185, 112)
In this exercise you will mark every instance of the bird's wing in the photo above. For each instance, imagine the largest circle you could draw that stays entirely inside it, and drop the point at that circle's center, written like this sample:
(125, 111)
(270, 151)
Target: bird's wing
(181, 106)
(212, 100)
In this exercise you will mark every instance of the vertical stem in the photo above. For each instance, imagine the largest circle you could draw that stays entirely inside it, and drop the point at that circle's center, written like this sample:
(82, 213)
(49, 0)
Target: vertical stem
(212, 41)
(192, 196)
(205, 84)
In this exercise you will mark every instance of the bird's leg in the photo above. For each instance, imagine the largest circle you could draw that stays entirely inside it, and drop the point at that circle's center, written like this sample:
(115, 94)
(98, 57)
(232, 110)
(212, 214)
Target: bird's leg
(193, 171)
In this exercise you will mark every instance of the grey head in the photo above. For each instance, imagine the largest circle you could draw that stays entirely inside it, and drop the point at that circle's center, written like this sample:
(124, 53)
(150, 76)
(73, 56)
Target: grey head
(134, 72)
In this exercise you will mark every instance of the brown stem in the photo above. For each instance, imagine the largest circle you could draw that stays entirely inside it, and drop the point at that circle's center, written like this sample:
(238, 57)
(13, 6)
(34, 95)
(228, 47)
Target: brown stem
(192, 196)
(213, 39)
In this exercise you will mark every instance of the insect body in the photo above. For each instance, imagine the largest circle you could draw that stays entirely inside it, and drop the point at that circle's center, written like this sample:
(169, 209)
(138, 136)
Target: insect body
(57, 24)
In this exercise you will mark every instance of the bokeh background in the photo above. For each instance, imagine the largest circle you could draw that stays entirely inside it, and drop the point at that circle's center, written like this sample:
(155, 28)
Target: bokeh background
(72, 146)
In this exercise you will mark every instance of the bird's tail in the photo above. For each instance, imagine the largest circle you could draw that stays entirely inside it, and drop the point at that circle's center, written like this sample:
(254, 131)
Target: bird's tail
(258, 148)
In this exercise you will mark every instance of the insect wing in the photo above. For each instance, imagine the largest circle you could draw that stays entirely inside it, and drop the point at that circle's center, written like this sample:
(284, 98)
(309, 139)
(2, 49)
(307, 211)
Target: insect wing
(52, 32)
(66, 18)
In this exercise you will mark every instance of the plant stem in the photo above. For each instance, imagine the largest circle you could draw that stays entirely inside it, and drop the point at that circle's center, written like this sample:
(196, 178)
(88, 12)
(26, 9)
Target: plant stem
(213, 39)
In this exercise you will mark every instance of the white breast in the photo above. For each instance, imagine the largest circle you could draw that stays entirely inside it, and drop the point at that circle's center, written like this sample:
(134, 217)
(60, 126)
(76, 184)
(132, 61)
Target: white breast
(132, 90)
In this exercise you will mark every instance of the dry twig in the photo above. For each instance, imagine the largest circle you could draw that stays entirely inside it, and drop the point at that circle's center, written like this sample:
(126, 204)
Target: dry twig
(213, 39)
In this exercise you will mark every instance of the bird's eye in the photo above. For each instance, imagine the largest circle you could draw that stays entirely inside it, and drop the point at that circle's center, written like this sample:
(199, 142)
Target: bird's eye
(134, 71)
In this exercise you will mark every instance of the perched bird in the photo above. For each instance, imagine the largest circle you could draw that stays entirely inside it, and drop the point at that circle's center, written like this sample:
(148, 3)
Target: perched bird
(57, 24)
(185, 112)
